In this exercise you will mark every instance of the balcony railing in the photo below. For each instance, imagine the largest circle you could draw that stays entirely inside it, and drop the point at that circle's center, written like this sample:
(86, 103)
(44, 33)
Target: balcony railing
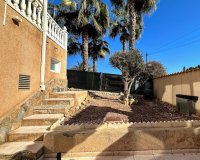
(32, 10)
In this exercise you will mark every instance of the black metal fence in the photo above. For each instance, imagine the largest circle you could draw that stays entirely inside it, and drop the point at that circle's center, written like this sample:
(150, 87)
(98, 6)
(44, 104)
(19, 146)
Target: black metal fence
(94, 81)
(105, 82)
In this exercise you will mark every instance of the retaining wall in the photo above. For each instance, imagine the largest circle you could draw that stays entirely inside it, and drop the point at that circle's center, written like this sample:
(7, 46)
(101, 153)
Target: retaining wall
(187, 83)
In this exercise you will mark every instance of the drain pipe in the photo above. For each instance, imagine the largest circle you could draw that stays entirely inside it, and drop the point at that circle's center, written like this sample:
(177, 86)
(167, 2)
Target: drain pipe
(44, 40)
(5, 11)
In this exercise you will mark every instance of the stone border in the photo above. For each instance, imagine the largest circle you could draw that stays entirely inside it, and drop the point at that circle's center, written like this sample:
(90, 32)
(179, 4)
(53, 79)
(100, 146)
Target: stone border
(128, 153)
(104, 93)
(117, 125)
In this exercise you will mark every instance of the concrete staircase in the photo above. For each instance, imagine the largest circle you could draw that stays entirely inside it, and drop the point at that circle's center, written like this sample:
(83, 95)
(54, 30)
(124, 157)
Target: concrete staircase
(29, 137)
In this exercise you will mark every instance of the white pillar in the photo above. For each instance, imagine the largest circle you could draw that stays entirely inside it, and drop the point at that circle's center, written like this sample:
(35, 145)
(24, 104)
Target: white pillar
(44, 40)
(65, 38)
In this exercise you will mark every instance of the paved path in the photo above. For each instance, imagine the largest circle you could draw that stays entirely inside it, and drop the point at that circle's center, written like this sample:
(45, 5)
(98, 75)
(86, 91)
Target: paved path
(189, 156)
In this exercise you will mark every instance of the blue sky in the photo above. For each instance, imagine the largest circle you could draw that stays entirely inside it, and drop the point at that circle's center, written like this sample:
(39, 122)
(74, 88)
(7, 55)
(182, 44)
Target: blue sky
(171, 36)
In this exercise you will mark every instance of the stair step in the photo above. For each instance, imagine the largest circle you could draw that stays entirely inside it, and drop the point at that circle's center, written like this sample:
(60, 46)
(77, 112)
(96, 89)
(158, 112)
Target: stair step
(41, 119)
(79, 96)
(58, 101)
(10, 149)
(51, 109)
(28, 133)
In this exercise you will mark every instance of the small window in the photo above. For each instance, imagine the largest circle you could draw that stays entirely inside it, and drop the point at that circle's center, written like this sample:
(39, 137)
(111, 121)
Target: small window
(55, 66)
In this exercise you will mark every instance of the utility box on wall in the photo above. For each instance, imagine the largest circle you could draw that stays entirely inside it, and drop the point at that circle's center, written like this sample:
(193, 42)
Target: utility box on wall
(186, 104)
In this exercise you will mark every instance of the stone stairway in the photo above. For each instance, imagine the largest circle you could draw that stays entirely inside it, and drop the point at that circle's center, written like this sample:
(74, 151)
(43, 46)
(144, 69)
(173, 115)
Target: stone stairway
(29, 137)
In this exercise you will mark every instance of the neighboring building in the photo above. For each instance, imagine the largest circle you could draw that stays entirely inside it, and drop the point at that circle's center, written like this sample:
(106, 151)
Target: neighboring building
(27, 61)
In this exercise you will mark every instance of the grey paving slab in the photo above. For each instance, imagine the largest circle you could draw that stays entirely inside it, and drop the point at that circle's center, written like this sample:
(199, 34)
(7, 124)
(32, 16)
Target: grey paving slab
(103, 158)
(79, 158)
(122, 158)
(163, 157)
(190, 156)
(144, 157)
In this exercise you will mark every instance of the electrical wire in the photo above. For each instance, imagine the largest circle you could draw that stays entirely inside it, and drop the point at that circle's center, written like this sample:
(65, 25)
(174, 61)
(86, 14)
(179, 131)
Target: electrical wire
(176, 47)
(178, 38)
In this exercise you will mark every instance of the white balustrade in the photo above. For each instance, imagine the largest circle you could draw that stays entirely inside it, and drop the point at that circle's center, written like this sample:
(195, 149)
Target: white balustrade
(56, 33)
(32, 11)
(50, 26)
(23, 6)
(53, 29)
(34, 15)
(29, 9)
(39, 20)
(16, 4)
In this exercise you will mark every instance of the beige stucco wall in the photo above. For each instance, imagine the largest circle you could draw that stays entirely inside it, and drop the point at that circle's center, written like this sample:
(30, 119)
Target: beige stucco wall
(188, 83)
(20, 53)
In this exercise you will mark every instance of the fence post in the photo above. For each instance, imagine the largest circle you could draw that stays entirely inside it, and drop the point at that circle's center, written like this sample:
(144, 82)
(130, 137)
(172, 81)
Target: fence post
(101, 80)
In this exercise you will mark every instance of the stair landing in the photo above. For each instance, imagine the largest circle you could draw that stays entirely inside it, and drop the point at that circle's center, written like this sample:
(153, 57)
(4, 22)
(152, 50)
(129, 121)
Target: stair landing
(28, 133)
(9, 149)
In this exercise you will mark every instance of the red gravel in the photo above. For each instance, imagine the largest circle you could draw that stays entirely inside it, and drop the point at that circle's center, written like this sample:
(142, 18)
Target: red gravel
(104, 108)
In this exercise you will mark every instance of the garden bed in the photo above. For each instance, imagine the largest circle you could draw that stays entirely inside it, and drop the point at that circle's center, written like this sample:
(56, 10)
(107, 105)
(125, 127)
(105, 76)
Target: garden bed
(102, 108)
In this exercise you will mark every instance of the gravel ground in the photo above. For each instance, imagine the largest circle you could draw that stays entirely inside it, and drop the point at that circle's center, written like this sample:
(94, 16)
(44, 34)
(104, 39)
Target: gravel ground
(107, 108)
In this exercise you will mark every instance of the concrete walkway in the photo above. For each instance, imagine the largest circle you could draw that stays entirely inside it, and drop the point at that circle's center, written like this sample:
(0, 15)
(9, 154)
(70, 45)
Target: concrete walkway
(188, 156)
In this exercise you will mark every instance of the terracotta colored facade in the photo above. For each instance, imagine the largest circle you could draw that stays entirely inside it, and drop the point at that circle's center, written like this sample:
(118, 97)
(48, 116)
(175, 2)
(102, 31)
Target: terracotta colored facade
(187, 83)
(21, 46)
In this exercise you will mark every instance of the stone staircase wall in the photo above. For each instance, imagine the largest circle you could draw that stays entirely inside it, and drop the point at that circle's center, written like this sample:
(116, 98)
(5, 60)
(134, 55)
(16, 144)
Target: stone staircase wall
(13, 119)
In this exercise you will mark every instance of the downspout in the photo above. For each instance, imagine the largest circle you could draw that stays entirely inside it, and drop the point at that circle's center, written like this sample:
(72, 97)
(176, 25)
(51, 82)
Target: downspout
(44, 39)
(5, 11)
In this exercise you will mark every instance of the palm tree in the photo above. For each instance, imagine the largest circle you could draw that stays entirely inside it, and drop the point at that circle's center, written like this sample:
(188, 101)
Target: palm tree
(79, 67)
(121, 26)
(135, 7)
(90, 18)
(98, 49)
(91, 14)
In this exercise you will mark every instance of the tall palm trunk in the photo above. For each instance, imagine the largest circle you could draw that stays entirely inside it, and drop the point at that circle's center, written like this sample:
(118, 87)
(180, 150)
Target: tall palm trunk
(85, 49)
(94, 64)
(132, 15)
(124, 46)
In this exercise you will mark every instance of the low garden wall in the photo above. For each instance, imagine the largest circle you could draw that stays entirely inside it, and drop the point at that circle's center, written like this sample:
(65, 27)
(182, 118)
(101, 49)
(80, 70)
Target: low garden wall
(122, 138)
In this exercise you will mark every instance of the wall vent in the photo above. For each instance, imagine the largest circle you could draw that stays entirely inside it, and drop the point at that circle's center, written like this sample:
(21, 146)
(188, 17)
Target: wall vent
(24, 82)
